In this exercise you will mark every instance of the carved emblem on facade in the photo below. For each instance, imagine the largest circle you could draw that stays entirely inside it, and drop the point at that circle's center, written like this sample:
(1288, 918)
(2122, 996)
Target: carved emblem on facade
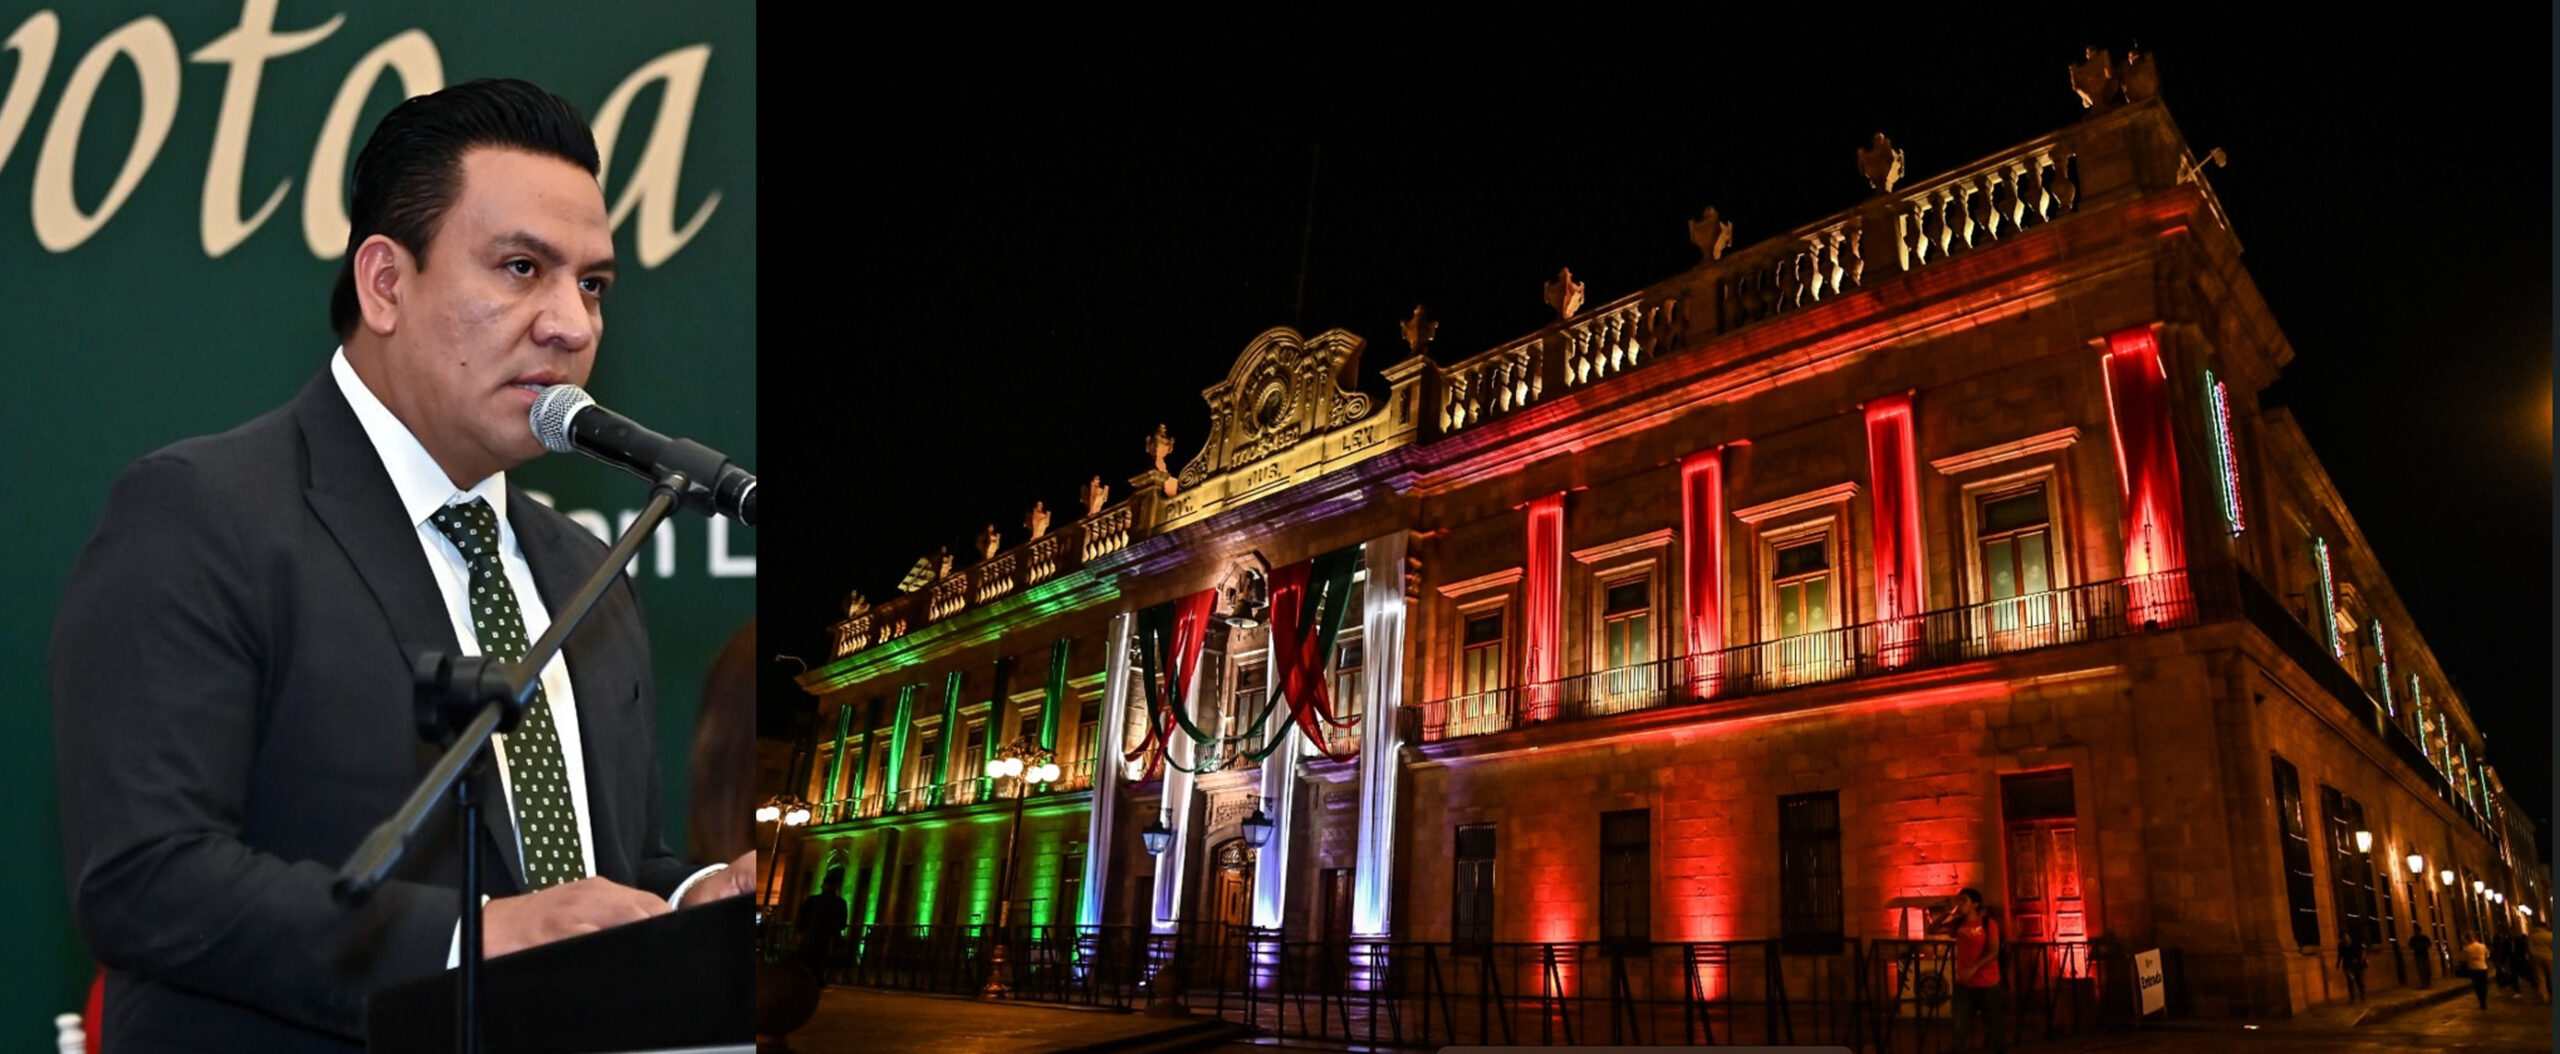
(1880, 163)
(1095, 495)
(1419, 330)
(1037, 520)
(1564, 294)
(1711, 234)
(1284, 390)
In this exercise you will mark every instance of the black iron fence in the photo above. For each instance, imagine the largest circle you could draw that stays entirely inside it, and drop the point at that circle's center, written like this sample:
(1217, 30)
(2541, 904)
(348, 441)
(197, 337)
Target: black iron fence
(1886, 996)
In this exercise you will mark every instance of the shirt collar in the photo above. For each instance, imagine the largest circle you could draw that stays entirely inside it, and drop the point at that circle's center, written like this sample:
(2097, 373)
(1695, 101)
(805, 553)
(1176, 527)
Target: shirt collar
(422, 484)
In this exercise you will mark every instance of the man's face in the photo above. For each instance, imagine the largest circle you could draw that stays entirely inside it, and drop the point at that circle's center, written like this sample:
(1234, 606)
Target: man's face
(509, 299)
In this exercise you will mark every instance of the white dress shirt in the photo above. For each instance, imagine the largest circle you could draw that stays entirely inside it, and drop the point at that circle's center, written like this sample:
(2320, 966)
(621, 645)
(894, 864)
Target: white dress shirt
(424, 488)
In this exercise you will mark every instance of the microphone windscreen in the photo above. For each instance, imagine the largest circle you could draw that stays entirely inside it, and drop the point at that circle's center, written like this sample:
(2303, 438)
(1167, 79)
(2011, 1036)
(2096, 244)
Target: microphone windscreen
(551, 413)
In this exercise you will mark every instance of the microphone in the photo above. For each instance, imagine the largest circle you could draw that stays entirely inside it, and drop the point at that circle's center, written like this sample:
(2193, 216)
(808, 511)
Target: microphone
(568, 420)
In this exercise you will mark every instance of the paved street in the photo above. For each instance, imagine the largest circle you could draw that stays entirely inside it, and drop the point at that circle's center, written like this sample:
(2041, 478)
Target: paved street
(852, 1019)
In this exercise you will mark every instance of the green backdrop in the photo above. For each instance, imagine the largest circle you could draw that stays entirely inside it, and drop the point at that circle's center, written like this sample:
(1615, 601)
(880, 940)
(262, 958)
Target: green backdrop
(139, 304)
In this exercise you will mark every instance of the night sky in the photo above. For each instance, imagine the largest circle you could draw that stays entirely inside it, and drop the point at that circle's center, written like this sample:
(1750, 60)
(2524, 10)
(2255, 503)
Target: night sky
(1018, 258)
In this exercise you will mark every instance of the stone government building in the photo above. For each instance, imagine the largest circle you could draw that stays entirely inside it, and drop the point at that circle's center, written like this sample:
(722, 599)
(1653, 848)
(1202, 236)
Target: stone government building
(1941, 542)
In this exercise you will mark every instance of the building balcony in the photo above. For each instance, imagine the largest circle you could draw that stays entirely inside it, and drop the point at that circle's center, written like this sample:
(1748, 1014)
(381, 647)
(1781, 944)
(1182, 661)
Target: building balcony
(2095, 611)
(959, 793)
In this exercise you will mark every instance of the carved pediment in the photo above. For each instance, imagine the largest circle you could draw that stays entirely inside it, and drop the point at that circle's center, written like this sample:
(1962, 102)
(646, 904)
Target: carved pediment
(1284, 389)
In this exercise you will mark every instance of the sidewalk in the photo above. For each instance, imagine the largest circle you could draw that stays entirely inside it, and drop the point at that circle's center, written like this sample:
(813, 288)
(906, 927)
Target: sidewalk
(870, 1019)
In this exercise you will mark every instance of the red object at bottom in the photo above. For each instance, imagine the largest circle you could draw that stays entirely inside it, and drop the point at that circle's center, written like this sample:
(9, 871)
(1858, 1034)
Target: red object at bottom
(96, 1008)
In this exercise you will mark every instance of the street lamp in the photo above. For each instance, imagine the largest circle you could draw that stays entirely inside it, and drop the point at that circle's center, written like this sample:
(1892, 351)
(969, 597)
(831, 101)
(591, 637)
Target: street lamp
(783, 811)
(2477, 886)
(1157, 836)
(2417, 864)
(1027, 763)
(2364, 841)
(2446, 876)
(1257, 827)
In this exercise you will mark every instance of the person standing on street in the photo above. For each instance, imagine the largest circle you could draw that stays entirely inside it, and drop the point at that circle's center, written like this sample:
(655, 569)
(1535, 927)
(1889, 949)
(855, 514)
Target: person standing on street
(2351, 961)
(1977, 968)
(2538, 953)
(2475, 965)
(2424, 950)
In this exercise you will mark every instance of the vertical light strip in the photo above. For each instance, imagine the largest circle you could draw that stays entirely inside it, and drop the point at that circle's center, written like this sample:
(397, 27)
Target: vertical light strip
(2328, 598)
(870, 743)
(1107, 769)
(2146, 458)
(1056, 697)
(1702, 559)
(1382, 682)
(1895, 531)
(900, 732)
(1542, 630)
(1271, 864)
(1181, 755)
(2382, 653)
(835, 759)
(2225, 455)
(950, 746)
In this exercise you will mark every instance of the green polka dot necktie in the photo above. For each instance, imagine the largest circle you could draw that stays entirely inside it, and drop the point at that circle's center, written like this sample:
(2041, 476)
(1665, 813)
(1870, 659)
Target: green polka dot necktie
(546, 816)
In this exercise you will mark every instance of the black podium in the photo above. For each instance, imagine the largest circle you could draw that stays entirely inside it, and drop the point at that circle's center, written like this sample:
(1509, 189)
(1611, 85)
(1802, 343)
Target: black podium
(682, 981)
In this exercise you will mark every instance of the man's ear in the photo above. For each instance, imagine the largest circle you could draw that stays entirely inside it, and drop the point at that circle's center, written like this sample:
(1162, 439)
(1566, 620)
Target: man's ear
(382, 270)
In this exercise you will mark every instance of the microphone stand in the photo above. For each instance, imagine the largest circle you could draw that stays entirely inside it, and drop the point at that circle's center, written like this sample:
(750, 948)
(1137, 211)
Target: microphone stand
(465, 699)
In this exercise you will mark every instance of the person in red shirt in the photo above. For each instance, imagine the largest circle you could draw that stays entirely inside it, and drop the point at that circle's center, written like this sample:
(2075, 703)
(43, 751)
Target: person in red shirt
(1977, 968)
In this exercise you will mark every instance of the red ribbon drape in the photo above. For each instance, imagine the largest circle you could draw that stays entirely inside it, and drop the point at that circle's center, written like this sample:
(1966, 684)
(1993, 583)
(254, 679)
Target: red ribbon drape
(1173, 673)
(1702, 534)
(1543, 623)
(1895, 473)
(2147, 467)
(1299, 653)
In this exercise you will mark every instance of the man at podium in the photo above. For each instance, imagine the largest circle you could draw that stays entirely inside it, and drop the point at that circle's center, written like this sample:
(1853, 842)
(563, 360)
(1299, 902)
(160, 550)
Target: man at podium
(231, 660)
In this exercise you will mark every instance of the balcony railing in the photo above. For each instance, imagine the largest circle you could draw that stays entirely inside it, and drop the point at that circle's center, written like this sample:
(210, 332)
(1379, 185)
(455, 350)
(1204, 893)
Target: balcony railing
(2096, 611)
(1073, 776)
(994, 578)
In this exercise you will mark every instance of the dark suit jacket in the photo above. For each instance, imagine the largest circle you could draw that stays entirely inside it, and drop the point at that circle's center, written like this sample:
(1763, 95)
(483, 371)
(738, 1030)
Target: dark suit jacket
(231, 696)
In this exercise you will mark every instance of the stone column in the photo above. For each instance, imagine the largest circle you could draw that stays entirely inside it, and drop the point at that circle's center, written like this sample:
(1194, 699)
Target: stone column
(1382, 680)
(1271, 865)
(1107, 770)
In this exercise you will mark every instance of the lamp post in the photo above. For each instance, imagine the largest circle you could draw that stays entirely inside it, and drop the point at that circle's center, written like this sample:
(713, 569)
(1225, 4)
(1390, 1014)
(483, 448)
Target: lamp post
(1028, 763)
(782, 811)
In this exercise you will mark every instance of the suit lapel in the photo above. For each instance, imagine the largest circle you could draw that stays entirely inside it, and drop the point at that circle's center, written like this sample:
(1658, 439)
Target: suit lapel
(351, 493)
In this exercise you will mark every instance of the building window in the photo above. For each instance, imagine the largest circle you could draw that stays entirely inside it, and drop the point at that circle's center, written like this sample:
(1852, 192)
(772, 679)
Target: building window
(2350, 872)
(1348, 695)
(1252, 692)
(1071, 886)
(1626, 880)
(1801, 578)
(2293, 835)
(2328, 612)
(1471, 901)
(972, 761)
(2015, 537)
(819, 761)
(1480, 667)
(1089, 741)
(1626, 617)
(928, 767)
(1809, 911)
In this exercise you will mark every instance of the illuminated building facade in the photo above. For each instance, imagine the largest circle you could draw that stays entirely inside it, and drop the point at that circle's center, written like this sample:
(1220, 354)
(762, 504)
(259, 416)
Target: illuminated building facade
(1941, 542)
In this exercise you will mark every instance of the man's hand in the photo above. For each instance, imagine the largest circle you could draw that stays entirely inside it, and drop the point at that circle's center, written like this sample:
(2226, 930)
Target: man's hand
(511, 924)
(737, 881)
